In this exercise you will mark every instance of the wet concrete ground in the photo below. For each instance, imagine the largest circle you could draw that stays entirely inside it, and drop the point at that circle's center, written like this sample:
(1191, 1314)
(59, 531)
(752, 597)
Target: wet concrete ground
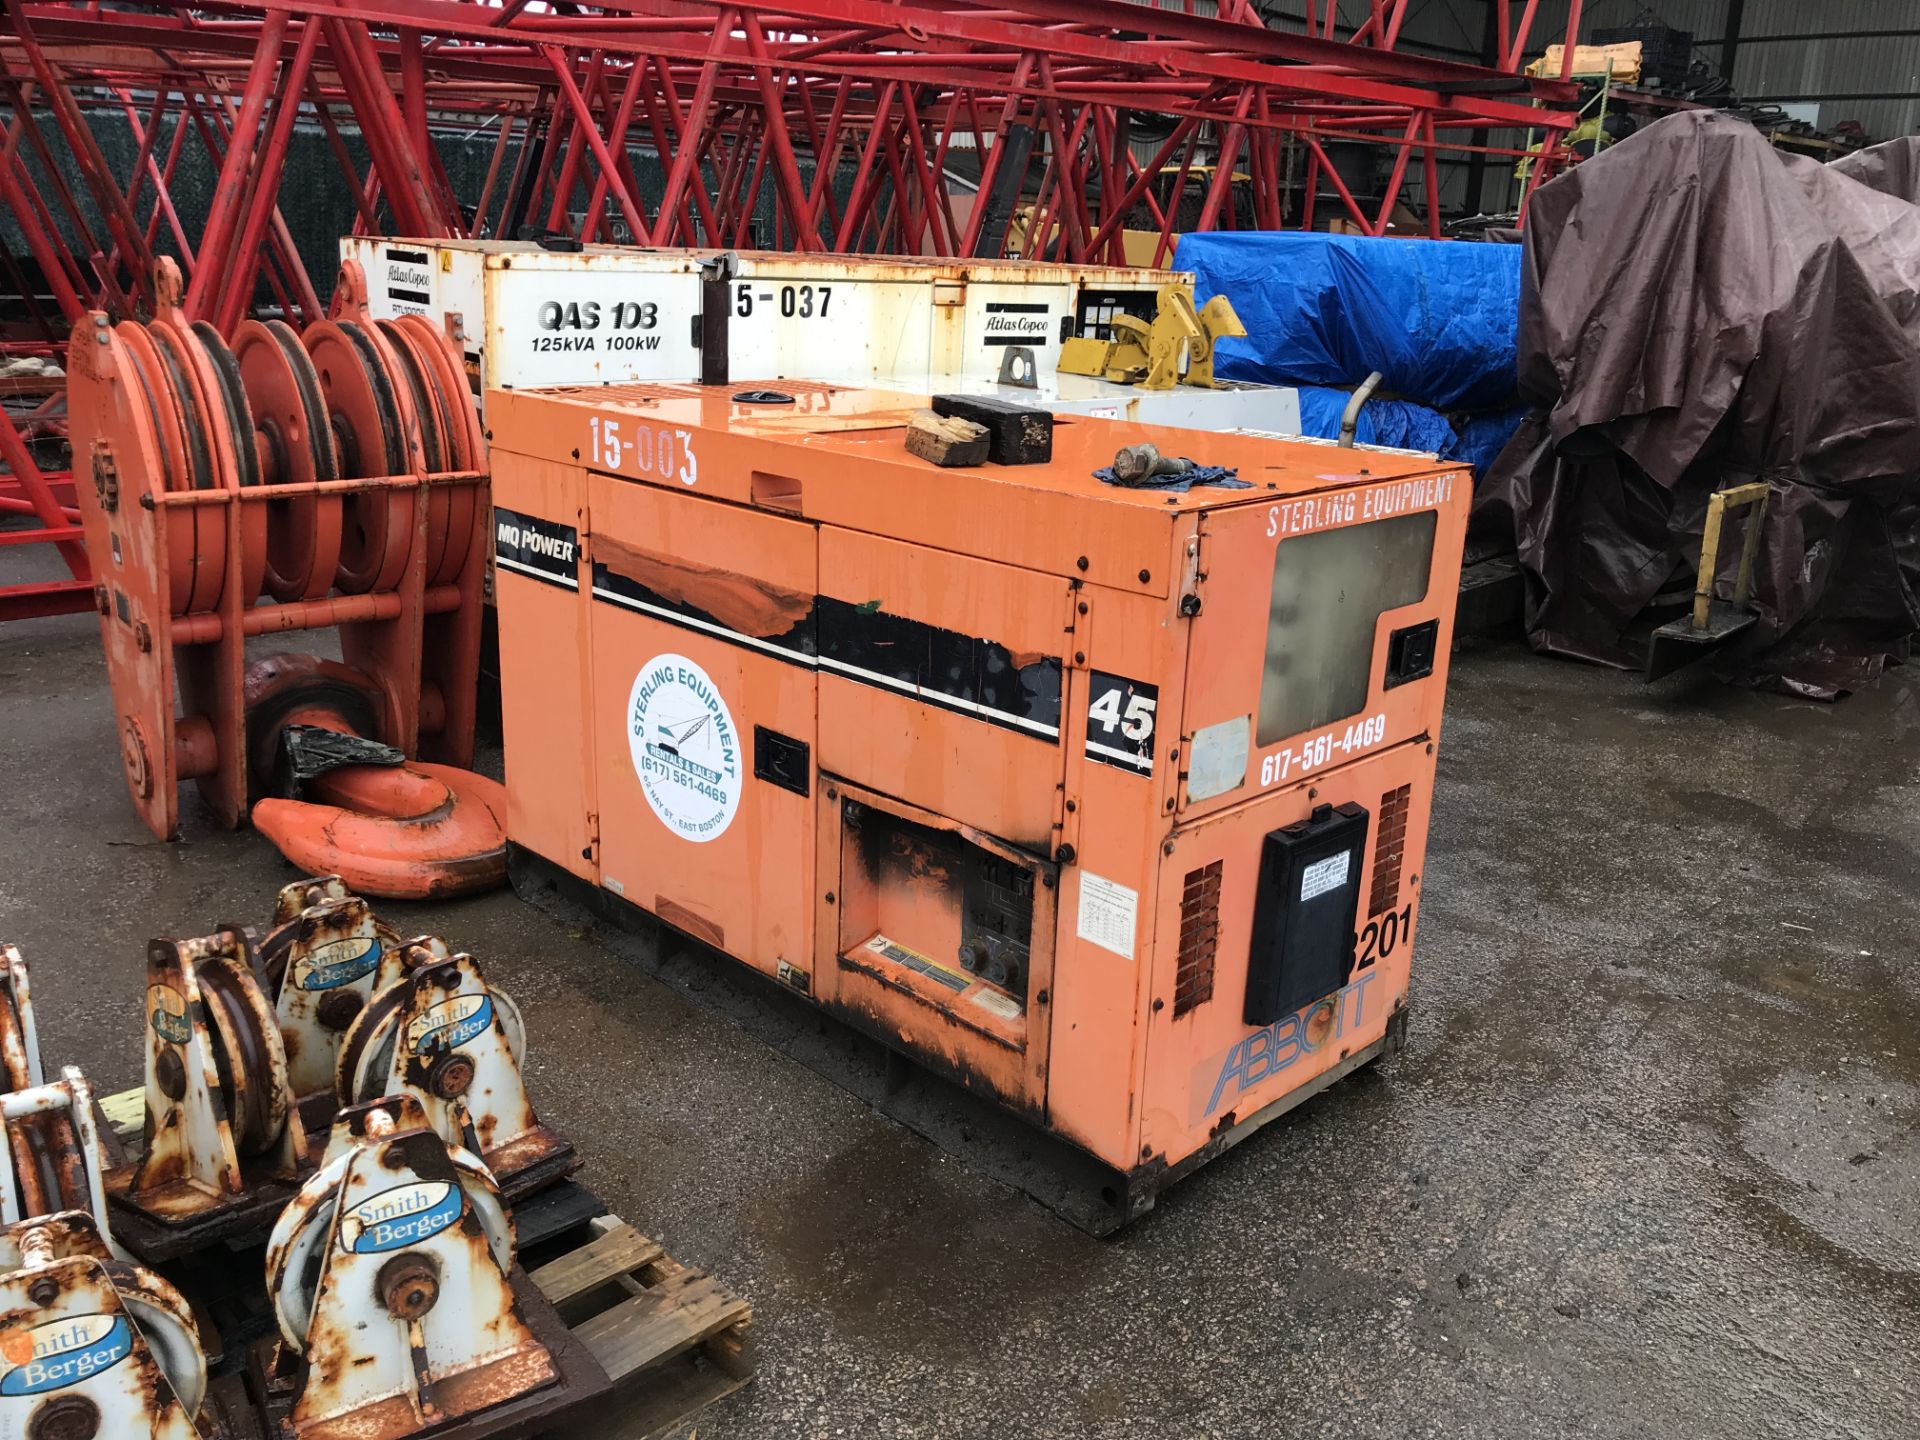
(1648, 1168)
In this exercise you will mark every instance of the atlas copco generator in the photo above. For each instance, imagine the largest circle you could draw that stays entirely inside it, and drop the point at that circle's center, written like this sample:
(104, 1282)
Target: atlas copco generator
(1108, 804)
(529, 315)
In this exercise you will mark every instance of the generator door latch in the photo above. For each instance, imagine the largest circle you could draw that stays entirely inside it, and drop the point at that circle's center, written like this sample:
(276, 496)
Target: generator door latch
(1410, 653)
(781, 760)
(1304, 911)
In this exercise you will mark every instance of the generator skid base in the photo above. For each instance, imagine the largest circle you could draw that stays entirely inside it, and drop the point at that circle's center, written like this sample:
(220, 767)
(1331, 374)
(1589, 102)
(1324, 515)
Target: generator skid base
(1106, 803)
(932, 1101)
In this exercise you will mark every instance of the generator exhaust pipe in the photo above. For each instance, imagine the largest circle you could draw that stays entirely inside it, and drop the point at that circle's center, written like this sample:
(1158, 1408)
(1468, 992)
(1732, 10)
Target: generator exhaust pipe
(1350, 417)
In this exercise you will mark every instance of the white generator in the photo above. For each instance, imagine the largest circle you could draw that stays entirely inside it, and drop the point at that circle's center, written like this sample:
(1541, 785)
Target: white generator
(1229, 405)
(604, 314)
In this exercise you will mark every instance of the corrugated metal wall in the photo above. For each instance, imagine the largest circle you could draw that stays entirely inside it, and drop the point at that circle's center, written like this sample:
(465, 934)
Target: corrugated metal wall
(1855, 59)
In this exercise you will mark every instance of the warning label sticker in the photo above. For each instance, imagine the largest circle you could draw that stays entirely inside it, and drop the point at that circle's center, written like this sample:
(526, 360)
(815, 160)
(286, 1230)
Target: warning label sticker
(900, 955)
(995, 1002)
(1109, 912)
(1324, 875)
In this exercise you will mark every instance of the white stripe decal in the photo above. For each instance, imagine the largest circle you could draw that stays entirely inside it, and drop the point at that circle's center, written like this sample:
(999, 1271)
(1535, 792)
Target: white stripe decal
(940, 697)
(1125, 757)
(799, 657)
(572, 582)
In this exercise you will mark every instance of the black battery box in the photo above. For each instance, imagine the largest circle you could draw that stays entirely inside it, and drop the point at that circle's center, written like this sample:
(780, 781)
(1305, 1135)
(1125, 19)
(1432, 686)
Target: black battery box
(1303, 914)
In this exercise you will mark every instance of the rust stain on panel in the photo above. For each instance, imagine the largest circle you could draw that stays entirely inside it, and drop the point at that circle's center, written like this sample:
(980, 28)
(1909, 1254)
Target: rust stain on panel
(683, 919)
(740, 602)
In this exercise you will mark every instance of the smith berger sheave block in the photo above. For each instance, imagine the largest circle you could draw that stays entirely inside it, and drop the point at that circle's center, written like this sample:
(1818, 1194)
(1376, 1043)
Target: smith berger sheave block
(1108, 803)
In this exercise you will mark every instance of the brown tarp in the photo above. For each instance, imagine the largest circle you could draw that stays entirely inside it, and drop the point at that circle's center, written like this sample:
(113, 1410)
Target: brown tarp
(1892, 168)
(1697, 311)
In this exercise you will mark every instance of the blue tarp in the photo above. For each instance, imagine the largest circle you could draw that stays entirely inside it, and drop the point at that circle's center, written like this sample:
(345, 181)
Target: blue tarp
(1474, 439)
(1399, 423)
(1436, 318)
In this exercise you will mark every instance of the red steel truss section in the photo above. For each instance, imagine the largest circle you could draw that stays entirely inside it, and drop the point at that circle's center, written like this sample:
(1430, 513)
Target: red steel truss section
(851, 115)
(1042, 128)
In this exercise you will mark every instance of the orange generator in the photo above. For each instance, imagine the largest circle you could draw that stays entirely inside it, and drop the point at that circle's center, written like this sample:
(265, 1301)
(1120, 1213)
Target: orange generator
(1106, 803)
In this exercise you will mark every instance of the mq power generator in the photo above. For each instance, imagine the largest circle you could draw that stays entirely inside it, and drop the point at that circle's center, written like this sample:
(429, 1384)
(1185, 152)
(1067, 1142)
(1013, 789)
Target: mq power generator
(1107, 803)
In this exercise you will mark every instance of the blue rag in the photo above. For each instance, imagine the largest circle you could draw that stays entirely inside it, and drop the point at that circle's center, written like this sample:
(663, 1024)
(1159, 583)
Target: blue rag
(1225, 476)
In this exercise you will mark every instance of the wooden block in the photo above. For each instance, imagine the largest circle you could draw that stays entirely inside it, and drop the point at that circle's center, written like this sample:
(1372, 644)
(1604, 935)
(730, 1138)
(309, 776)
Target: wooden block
(664, 1321)
(600, 1260)
(945, 441)
(126, 1112)
(1017, 434)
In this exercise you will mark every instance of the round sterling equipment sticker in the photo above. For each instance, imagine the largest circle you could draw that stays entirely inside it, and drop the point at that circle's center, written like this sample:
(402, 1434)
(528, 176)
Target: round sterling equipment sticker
(685, 748)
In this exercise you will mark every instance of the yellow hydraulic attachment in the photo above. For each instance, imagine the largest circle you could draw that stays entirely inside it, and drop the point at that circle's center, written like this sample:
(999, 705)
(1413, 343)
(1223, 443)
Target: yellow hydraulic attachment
(1176, 348)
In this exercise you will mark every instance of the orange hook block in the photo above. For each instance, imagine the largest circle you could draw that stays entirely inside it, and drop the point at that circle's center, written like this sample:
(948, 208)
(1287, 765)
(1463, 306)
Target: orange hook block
(402, 832)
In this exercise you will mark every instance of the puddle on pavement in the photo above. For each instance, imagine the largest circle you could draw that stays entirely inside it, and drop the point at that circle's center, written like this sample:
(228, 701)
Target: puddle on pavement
(1846, 1147)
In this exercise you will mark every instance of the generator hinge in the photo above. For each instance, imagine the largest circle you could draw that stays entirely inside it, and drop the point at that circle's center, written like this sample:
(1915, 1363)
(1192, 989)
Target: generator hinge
(1192, 574)
(1079, 631)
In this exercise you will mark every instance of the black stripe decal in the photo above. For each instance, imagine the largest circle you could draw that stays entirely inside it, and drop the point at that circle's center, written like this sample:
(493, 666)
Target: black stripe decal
(406, 257)
(409, 297)
(944, 667)
(959, 673)
(542, 550)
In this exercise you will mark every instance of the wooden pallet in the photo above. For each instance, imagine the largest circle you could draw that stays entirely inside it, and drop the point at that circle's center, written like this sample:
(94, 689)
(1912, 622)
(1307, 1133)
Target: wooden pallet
(671, 1338)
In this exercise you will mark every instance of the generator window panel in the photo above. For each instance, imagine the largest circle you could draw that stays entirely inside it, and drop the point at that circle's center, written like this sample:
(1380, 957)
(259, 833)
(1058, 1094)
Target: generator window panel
(1304, 912)
(1330, 588)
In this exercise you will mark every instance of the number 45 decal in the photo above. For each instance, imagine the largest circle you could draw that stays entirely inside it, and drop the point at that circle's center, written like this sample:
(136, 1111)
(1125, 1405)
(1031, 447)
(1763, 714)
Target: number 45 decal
(1121, 717)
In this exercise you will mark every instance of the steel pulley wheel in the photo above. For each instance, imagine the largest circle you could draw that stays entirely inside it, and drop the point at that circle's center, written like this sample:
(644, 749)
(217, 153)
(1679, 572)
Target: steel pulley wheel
(248, 1054)
(364, 1071)
(373, 1028)
(451, 521)
(297, 1250)
(230, 403)
(223, 436)
(149, 377)
(49, 1167)
(290, 415)
(465, 420)
(376, 1017)
(166, 1323)
(363, 407)
(206, 561)
(422, 389)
